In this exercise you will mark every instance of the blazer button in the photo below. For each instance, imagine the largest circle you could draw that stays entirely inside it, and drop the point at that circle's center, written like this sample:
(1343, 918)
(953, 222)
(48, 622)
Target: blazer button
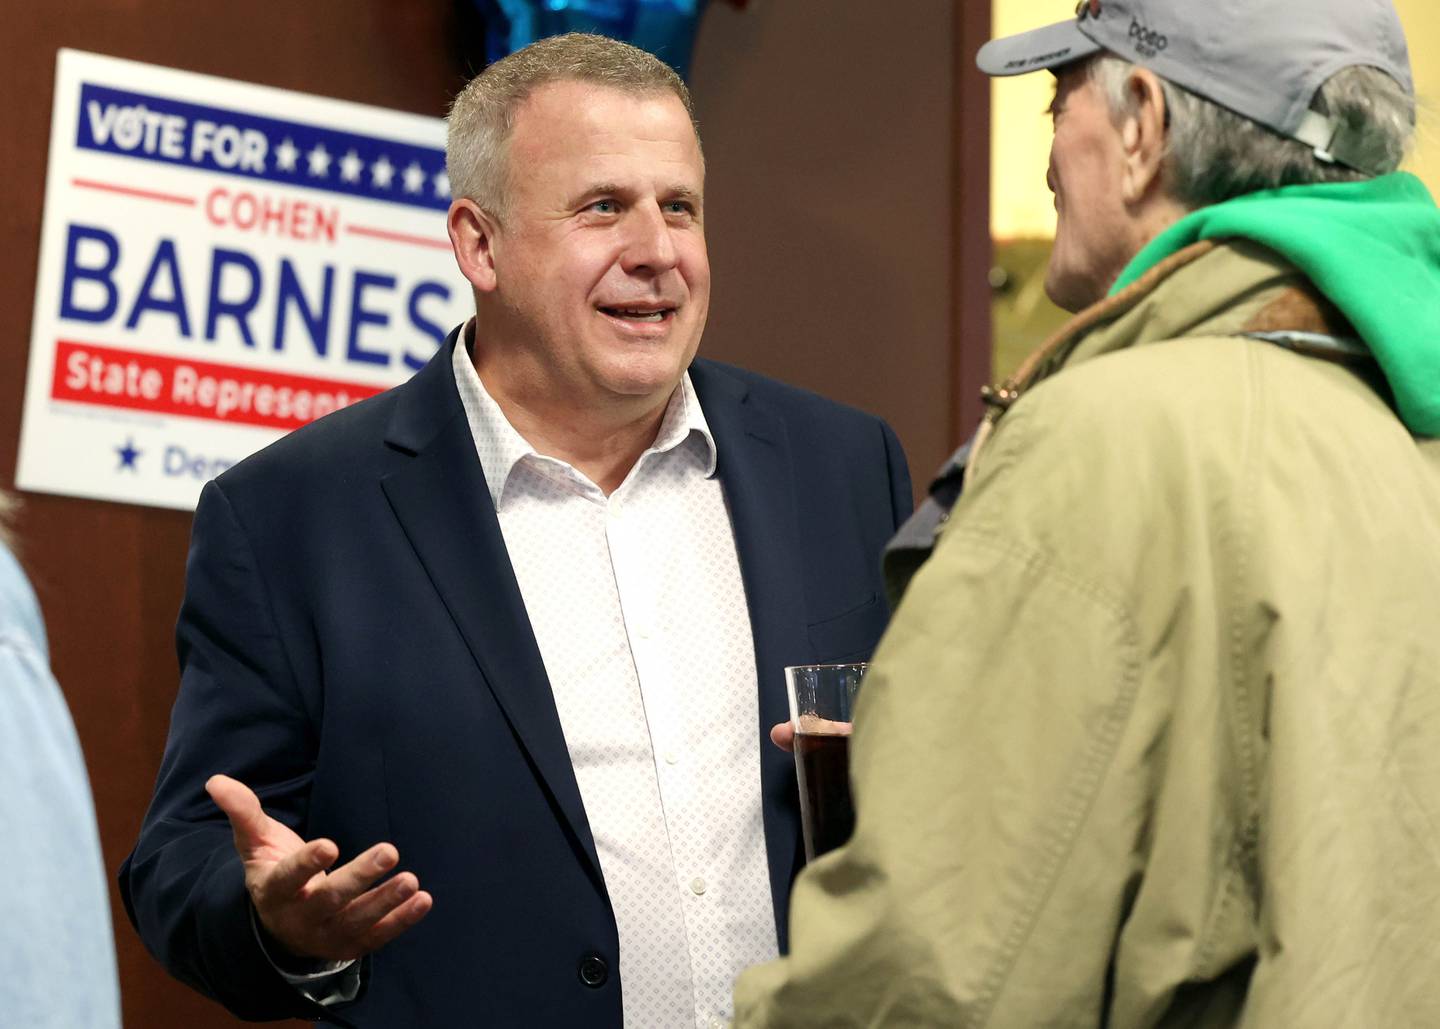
(594, 971)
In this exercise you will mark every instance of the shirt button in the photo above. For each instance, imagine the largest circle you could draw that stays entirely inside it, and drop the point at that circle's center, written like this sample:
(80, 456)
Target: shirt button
(697, 886)
(672, 758)
(643, 632)
(594, 971)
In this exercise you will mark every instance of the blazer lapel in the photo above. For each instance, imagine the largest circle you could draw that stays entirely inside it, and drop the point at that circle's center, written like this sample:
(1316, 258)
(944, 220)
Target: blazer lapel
(755, 467)
(441, 500)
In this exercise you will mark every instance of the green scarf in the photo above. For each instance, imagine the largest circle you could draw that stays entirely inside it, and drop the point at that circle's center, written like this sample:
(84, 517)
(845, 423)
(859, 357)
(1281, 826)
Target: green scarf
(1372, 248)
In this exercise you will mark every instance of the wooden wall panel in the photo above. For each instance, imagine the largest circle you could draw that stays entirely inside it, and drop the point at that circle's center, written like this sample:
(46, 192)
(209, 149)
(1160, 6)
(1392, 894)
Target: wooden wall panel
(828, 131)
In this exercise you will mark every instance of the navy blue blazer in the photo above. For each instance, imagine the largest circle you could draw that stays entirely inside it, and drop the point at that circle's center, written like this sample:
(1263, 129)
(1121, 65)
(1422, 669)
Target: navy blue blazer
(354, 647)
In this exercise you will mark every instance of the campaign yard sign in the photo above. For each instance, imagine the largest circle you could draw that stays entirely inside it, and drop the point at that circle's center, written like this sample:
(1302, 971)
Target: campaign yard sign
(220, 263)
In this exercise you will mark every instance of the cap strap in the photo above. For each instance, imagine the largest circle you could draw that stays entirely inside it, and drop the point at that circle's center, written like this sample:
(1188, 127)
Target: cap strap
(1318, 131)
(1331, 142)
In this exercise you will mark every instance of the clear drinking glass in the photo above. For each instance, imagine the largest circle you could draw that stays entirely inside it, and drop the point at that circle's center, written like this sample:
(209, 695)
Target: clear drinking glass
(822, 701)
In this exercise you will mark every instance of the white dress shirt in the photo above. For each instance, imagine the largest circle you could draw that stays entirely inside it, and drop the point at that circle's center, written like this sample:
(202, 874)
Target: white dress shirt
(639, 611)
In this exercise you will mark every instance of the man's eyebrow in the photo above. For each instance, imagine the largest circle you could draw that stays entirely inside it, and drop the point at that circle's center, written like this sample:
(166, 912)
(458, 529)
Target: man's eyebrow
(596, 189)
(676, 191)
(685, 193)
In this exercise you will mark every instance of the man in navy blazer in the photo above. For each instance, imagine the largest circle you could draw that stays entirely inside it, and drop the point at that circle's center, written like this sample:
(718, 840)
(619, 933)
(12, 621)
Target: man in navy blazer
(398, 837)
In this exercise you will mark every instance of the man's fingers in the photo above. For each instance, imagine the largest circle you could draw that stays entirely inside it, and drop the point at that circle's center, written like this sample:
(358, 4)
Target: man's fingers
(351, 880)
(783, 736)
(295, 877)
(368, 909)
(291, 873)
(337, 914)
(397, 921)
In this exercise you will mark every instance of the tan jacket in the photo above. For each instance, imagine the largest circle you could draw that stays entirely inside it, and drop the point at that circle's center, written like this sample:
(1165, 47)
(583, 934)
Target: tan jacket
(1154, 736)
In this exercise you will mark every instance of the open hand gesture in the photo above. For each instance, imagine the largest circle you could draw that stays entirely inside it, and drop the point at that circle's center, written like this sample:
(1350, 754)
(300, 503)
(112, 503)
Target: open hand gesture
(313, 912)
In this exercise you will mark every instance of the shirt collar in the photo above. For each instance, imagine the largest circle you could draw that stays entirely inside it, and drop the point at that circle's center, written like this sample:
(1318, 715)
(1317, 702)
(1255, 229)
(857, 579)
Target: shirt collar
(501, 448)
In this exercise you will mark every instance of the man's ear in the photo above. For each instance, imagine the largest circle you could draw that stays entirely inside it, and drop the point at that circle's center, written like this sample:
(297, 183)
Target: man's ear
(1143, 132)
(472, 236)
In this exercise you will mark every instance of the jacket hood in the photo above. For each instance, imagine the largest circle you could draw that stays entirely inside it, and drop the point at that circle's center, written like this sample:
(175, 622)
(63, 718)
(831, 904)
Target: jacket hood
(1372, 248)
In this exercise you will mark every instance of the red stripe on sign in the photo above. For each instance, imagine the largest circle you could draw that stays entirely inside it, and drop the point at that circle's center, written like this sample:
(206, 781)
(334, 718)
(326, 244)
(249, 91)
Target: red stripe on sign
(144, 194)
(90, 374)
(398, 237)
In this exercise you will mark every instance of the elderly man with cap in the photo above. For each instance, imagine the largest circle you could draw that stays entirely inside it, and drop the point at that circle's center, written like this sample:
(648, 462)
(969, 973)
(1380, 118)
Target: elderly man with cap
(1152, 738)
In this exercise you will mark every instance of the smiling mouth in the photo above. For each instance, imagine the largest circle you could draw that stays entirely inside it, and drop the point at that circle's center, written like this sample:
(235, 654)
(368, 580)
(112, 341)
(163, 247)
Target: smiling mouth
(639, 314)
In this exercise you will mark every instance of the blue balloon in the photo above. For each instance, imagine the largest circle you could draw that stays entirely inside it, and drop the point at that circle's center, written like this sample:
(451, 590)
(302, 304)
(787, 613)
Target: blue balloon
(666, 28)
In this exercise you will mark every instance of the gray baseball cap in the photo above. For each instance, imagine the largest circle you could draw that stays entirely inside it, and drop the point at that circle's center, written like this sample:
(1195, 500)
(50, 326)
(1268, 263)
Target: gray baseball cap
(1263, 59)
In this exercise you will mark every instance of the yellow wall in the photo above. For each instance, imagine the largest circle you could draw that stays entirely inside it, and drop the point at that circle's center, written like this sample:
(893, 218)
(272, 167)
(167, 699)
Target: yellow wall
(1020, 205)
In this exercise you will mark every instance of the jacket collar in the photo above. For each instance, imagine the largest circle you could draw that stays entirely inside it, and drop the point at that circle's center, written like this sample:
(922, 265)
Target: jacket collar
(1210, 288)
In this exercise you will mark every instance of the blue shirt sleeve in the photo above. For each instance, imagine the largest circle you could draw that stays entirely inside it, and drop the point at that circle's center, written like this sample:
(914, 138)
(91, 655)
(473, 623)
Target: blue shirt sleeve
(57, 951)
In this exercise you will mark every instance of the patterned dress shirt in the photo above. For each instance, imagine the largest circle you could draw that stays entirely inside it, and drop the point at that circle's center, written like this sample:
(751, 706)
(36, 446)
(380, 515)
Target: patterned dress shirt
(639, 611)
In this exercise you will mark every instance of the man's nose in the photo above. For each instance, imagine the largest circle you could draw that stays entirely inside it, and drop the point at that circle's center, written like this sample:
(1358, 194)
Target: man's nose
(648, 244)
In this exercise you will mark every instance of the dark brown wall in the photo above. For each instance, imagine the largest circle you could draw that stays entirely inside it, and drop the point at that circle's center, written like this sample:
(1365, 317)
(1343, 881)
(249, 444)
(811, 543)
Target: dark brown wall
(848, 230)
(828, 191)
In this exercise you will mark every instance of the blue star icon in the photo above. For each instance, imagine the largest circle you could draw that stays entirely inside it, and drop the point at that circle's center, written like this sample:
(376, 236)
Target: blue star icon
(128, 454)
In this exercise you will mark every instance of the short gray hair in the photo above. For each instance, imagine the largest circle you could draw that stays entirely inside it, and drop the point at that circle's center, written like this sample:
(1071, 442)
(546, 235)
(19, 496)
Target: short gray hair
(482, 116)
(1215, 154)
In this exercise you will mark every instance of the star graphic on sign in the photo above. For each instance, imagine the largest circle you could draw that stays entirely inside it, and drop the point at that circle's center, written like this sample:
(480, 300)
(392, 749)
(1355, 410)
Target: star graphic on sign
(285, 155)
(128, 453)
(414, 178)
(350, 166)
(381, 172)
(319, 161)
(442, 183)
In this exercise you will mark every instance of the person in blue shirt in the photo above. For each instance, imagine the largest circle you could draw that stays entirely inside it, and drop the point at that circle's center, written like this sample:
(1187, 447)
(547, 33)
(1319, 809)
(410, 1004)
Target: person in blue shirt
(57, 952)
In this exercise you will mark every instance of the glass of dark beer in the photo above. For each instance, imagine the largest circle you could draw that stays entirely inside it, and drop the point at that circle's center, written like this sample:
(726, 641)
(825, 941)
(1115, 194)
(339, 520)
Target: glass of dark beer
(822, 698)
